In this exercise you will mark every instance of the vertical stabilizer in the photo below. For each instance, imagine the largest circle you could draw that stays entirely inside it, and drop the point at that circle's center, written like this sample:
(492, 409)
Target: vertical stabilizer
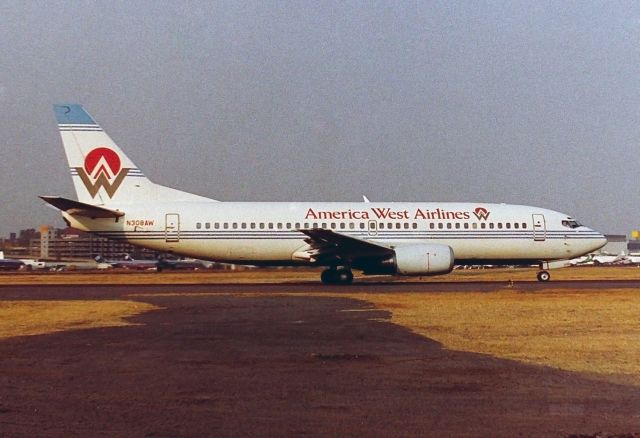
(101, 172)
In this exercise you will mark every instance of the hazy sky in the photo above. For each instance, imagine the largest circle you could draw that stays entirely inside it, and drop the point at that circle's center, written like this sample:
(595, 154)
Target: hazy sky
(521, 102)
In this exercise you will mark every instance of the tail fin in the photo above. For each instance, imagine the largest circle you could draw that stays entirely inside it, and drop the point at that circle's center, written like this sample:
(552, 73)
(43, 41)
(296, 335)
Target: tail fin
(101, 172)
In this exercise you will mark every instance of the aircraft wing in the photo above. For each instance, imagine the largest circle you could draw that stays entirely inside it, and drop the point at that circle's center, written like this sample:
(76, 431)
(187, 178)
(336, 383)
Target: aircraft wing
(78, 208)
(327, 244)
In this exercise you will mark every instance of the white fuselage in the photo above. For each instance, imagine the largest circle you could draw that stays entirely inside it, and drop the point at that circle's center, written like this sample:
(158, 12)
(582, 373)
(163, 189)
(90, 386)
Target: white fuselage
(268, 232)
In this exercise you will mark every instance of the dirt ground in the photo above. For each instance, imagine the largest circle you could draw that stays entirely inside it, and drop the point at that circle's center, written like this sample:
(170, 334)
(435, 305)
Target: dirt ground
(234, 360)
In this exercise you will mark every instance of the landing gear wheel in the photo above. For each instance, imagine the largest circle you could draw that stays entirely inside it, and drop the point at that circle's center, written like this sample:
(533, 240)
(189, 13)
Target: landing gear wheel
(543, 276)
(337, 276)
(345, 276)
(328, 276)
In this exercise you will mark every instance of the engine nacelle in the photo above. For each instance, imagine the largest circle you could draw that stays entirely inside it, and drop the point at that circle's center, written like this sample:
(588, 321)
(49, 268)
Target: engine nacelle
(423, 259)
(419, 259)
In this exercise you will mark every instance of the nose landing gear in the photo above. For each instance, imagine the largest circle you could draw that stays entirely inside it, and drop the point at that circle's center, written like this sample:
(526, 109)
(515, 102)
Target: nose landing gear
(337, 275)
(543, 276)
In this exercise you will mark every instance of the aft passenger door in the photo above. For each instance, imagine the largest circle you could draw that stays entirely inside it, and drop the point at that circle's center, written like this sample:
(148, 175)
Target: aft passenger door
(539, 227)
(172, 227)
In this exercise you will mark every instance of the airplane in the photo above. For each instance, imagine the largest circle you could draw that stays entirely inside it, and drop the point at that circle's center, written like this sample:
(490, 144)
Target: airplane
(33, 265)
(160, 264)
(185, 263)
(116, 200)
(604, 259)
(129, 263)
(10, 264)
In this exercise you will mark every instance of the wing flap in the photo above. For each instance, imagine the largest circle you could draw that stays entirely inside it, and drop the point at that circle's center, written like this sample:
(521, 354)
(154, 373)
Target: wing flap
(77, 208)
(325, 244)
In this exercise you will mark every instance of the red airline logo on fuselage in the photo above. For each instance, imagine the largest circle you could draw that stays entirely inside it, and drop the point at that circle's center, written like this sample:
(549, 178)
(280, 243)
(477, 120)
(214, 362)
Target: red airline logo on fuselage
(102, 168)
(481, 213)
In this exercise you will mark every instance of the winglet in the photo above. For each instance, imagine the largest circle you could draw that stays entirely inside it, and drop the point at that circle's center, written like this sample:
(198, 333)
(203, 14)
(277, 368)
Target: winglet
(77, 208)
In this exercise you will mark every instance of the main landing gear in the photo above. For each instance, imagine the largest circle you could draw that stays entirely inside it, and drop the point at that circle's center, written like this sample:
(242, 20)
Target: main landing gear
(337, 275)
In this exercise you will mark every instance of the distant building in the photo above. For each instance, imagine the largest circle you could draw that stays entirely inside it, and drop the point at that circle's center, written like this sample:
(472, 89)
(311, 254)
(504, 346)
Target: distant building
(634, 244)
(70, 243)
(616, 244)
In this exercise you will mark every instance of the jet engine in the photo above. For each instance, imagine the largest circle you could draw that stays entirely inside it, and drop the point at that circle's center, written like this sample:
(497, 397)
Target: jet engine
(420, 259)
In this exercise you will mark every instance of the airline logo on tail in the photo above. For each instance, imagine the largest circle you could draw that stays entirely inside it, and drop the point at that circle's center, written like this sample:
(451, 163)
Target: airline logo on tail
(102, 168)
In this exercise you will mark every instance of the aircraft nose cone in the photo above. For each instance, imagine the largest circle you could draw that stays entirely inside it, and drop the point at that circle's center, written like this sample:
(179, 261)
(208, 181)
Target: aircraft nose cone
(599, 242)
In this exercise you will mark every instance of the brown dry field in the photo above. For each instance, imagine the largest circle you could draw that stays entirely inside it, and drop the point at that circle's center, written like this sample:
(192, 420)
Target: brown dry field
(593, 332)
(588, 331)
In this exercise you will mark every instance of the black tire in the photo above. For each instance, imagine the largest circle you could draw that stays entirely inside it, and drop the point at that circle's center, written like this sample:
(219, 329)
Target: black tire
(345, 276)
(544, 276)
(328, 276)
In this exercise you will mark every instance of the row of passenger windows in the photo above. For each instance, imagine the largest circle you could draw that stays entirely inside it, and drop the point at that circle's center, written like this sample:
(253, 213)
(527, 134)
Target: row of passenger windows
(360, 225)
(287, 226)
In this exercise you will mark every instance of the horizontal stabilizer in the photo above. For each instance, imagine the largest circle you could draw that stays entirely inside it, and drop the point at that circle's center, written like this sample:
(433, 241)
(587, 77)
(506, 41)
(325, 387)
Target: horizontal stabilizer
(77, 208)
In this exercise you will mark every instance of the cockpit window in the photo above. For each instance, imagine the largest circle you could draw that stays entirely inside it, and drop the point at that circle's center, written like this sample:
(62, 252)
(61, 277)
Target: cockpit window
(570, 223)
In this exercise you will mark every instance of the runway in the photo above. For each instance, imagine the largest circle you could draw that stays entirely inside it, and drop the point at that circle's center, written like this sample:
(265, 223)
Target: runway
(276, 360)
(98, 290)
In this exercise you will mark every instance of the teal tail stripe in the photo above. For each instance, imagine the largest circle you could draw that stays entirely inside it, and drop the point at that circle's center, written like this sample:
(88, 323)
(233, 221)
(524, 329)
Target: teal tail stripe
(72, 114)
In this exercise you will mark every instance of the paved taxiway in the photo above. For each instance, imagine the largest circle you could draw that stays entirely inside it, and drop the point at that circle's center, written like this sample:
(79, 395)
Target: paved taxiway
(97, 290)
(218, 361)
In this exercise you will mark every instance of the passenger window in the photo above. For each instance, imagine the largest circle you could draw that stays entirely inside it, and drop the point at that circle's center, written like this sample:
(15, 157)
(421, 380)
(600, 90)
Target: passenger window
(382, 225)
(271, 225)
(342, 225)
(362, 226)
(235, 225)
(432, 225)
(466, 225)
(315, 225)
(244, 225)
(483, 225)
(288, 225)
(198, 225)
(253, 225)
(516, 225)
(262, 225)
(390, 226)
(207, 225)
(508, 225)
(474, 226)
(457, 225)
(448, 225)
(297, 225)
(333, 225)
(279, 225)
(499, 225)
(406, 225)
(414, 226)
(352, 226)
(225, 225)
(440, 226)
(324, 225)
(524, 225)
(491, 225)
(216, 225)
